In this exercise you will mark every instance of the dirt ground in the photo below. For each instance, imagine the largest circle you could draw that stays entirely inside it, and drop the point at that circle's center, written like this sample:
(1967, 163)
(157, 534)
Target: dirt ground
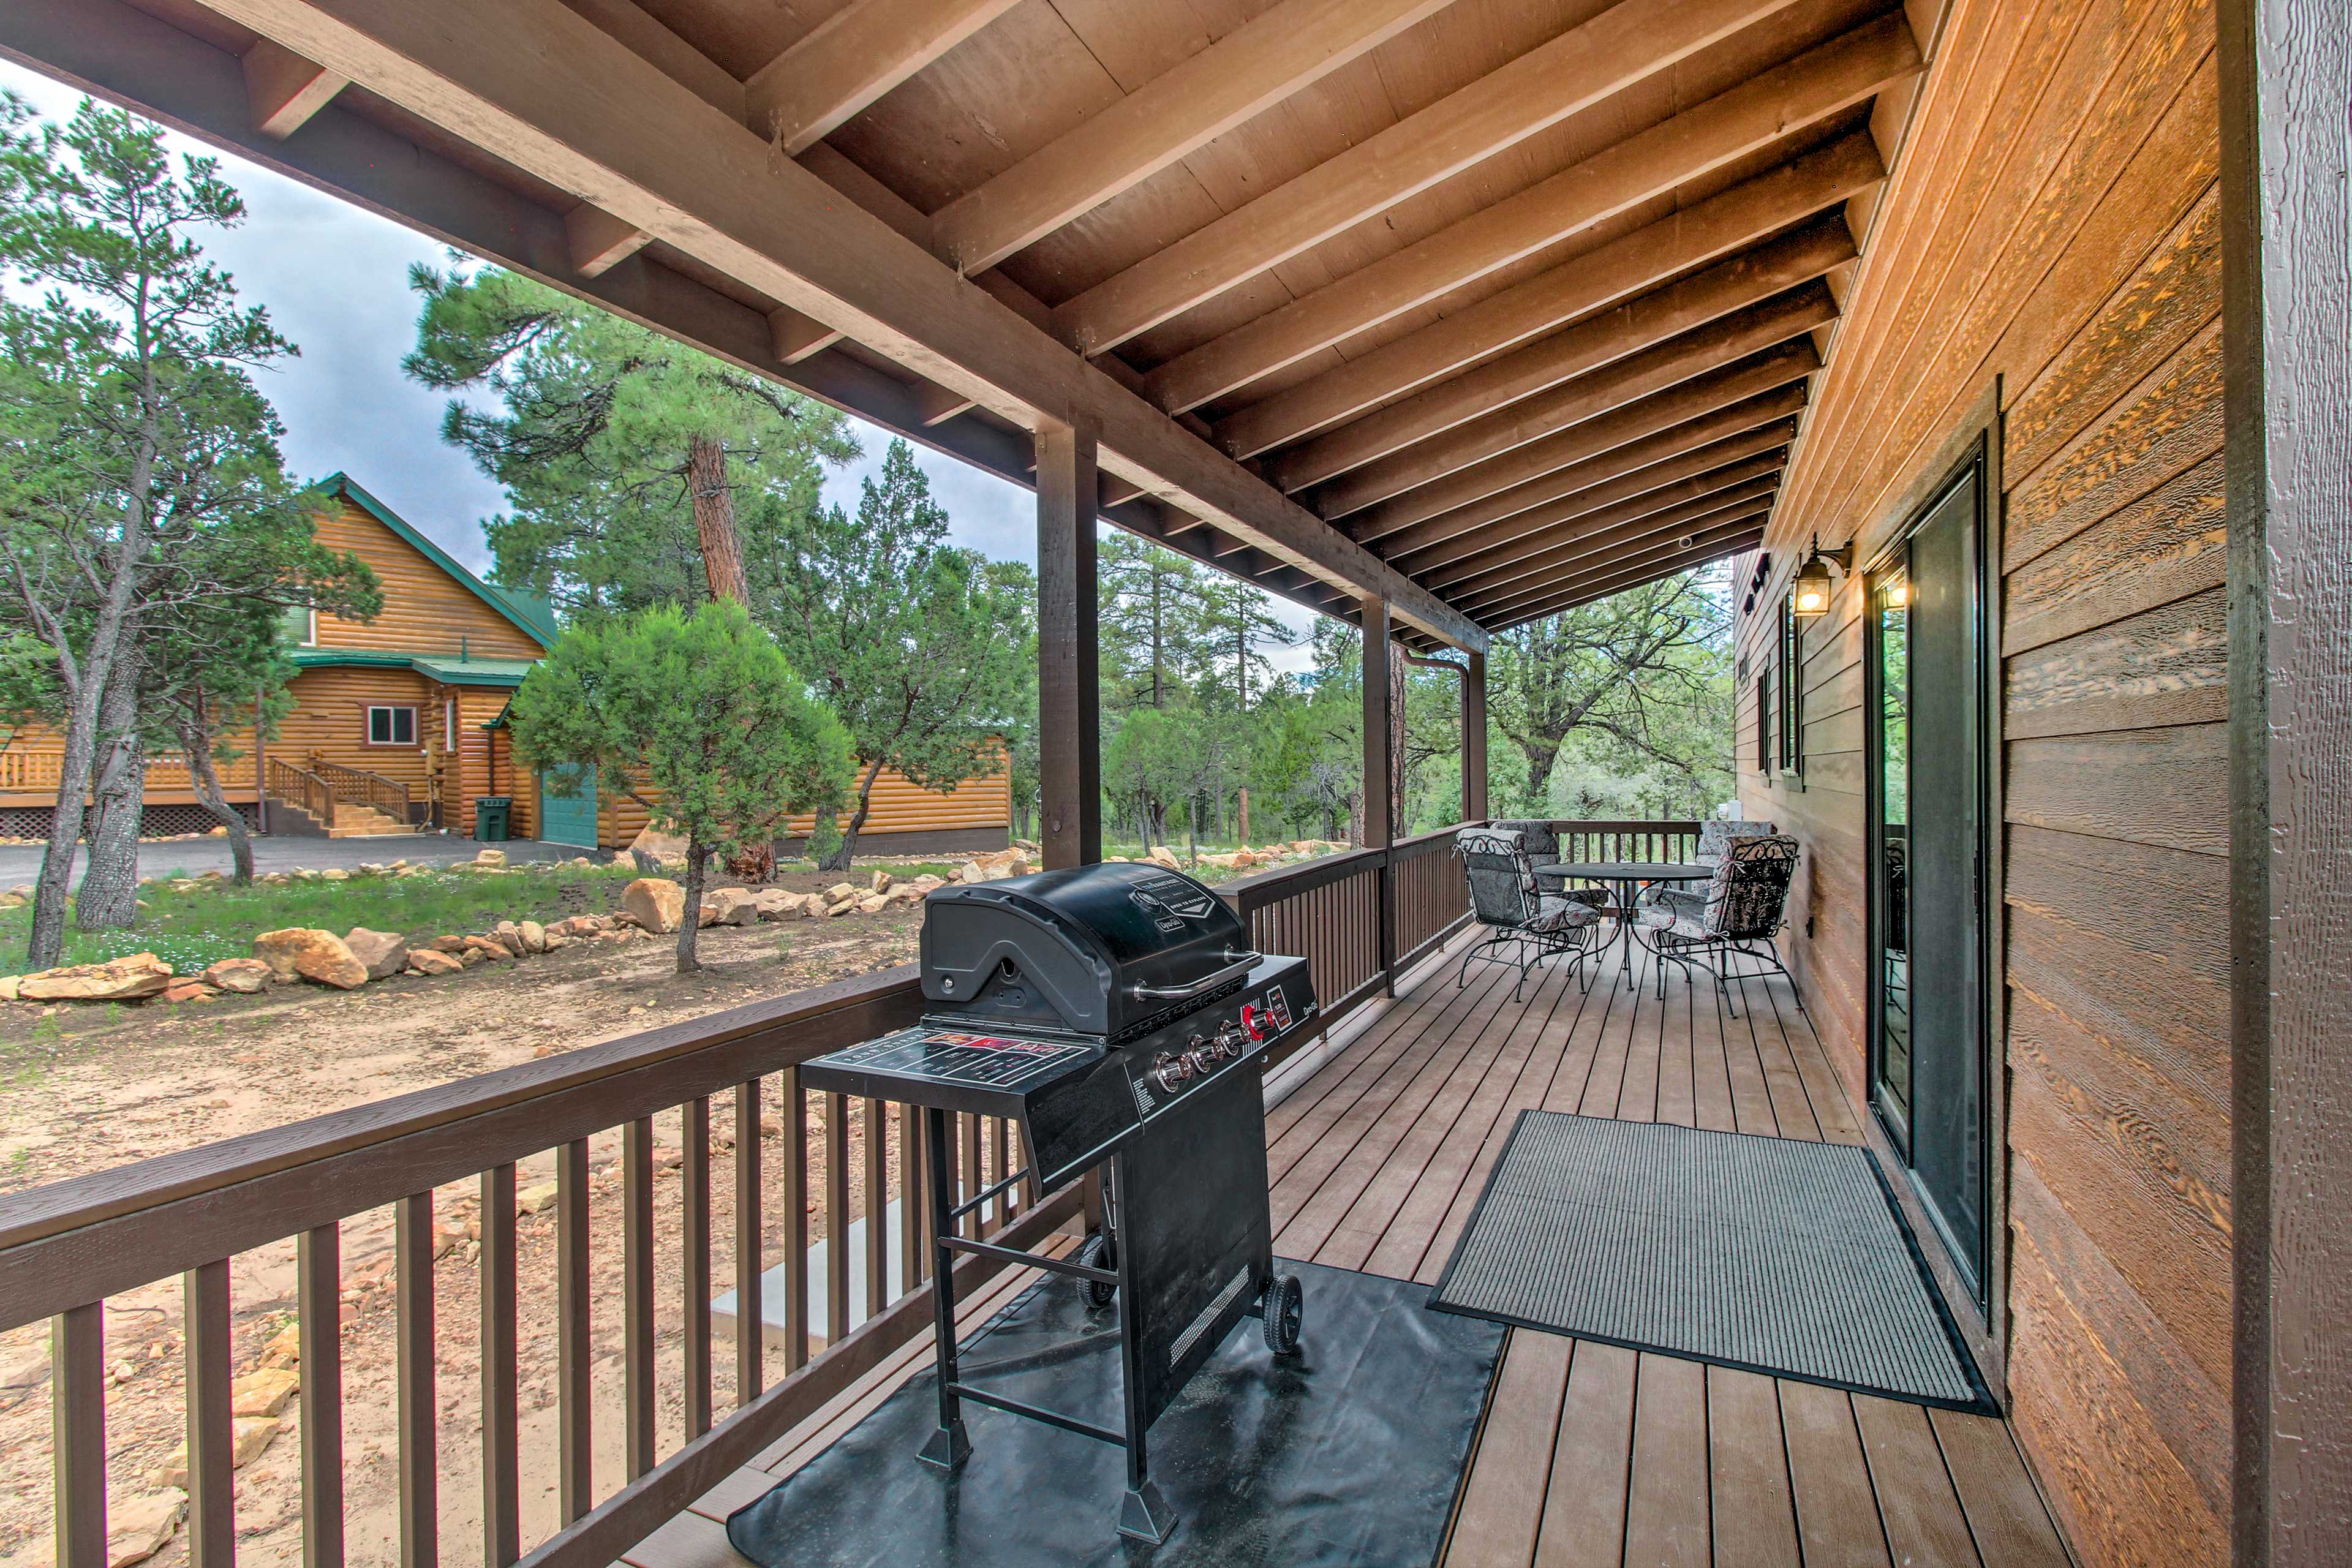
(86, 1090)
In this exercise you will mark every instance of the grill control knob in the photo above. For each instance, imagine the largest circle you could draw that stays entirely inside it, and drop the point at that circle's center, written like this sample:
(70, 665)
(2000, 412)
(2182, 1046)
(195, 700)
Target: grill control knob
(1168, 1071)
(1231, 1039)
(1200, 1061)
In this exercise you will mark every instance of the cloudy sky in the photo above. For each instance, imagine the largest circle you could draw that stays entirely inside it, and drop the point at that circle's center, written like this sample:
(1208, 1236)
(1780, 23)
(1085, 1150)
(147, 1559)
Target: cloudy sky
(336, 282)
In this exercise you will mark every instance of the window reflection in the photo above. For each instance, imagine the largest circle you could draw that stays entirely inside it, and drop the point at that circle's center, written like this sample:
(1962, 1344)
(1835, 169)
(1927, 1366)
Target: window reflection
(1892, 608)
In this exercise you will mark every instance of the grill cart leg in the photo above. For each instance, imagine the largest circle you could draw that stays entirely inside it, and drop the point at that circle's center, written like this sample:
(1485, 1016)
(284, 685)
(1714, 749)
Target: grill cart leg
(950, 1446)
(1143, 1513)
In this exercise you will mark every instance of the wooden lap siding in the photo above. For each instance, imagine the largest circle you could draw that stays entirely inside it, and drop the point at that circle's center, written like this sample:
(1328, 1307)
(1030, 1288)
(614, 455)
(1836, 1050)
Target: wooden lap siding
(899, 806)
(2054, 223)
(425, 610)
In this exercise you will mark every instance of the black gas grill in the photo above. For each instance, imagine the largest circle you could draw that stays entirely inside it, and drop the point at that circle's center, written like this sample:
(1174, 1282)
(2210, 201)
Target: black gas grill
(1116, 1014)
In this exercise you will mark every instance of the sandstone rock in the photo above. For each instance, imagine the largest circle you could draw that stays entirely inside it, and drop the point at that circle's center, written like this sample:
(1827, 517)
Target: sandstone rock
(732, 907)
(775, 903)
(839, 891)
(554, 940)
(285, 1347)
(425, 960)
(882, 880)
(874, 903)
(448, 944)
(928, 881)
(131, 979)
(9, 985)
(334, 874)
(253, 1435)
(313, 954)
(536, 1199)
(11, 902)
(971, 872)
(381, 953)
(1163, 855)
(904, 893)
(139, 1527)
(489, 857)
(663, 848)
(371, 868)
(188, 990)
(655, 903)
(533, 934)
(261, 1393)
(840, 907)
(243, 975)
(487, 949)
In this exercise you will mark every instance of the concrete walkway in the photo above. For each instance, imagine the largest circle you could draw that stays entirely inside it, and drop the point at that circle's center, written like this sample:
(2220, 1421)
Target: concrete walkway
(194, 856)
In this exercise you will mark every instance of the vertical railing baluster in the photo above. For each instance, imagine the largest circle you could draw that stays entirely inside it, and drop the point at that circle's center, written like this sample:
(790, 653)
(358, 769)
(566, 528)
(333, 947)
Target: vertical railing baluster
(1028, 1161)
(574, 1415)
(318, 1334)
(77, 1434)
(638, 1294)
(796, 1225)
(212, 1435)
(876, 1198)
(910, 1198)
(420, 1459)
(694, 1259)
(836, 1217)
(751, 1328)
(501, 1405)
(970, 1153)
(1000, 1142)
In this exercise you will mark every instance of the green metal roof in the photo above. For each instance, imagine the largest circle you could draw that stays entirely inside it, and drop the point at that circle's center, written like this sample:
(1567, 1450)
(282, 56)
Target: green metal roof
(446, 668)
(531, 614)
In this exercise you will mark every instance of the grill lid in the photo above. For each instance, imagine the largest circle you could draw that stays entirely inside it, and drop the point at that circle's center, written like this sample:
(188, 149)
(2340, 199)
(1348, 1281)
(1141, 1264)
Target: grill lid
(1105, 950)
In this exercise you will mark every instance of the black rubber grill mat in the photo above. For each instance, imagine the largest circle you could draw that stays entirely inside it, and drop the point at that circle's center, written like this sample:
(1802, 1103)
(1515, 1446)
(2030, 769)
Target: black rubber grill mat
(1769, 1254)
(1351, 1454)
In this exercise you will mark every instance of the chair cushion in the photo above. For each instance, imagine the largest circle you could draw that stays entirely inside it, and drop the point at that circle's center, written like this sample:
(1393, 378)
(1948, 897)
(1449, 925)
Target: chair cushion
(1556, 914)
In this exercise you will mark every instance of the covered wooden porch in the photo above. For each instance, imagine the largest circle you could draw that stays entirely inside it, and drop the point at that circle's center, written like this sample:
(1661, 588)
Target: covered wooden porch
(1591, 1454)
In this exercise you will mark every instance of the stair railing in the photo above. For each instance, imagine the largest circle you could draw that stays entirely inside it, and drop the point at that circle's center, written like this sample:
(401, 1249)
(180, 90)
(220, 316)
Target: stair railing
(302, 787)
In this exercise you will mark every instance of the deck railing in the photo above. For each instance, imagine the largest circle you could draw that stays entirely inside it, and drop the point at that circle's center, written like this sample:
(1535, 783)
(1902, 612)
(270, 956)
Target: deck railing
(66, 1248)
(1359, 918)
(281, 780)
(1659, 838)
(27, 771)
(361, 787)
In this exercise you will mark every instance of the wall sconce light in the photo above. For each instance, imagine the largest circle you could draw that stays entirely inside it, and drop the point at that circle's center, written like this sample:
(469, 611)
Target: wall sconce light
(1897, 595)
(1811, 594)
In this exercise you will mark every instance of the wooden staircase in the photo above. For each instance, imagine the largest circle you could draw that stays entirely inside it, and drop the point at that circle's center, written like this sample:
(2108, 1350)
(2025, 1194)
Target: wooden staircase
(329, 801)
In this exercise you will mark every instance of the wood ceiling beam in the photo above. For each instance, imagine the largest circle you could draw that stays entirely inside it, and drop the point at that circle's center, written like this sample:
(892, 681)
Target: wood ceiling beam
(1522, 478)
(1584, 504)
(1660, 440)
(1731, 541)
(1243, 74)
(1571, 73)
(1736, 492)
(1719, 342)
(565, 103)
(599, 241)
(1616, 272)
(851, 58)
(286, 90)
(1843, 72)
(1399, 433)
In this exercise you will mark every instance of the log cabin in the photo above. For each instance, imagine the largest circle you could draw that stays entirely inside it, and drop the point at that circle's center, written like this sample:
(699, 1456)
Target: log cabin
(398, 724)
(2000, 345)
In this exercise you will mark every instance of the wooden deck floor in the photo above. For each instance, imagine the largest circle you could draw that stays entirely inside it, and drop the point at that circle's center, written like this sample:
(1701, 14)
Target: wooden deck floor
(1591, 1454)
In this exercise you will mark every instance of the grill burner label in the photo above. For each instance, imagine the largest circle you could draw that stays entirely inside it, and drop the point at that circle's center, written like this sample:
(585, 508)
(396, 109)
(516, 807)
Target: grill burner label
(1277, 1007)
(949, 1057)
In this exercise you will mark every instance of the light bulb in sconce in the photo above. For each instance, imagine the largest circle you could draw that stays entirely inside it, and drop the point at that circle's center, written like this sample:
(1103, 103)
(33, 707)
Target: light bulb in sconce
(1897, 596)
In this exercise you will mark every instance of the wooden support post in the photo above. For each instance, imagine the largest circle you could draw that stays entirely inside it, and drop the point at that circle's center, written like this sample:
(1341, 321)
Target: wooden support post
(1069, 675)
(1473, 739)
(1380, 822)
(2285, 67)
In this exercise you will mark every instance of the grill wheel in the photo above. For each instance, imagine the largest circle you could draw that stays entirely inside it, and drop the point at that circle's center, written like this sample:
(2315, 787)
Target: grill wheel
(1285, 1313)
(1097, 1253)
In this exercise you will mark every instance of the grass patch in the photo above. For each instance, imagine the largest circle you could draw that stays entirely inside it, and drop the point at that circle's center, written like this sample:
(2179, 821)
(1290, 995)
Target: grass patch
(191, 929)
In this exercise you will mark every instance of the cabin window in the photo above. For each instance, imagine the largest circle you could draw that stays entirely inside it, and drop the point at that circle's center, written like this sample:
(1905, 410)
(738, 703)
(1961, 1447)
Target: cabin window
(300, 626)
(391, 726)
(1792, 691)
(1764, 724)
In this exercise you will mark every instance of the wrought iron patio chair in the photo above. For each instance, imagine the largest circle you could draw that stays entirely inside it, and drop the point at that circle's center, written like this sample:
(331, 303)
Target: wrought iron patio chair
(1518, 914)
(1736, 914)
(1715, 834)
(1541, 841)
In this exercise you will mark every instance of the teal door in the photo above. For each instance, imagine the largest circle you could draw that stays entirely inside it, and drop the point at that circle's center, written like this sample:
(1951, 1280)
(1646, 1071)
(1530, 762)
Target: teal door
(568, 817)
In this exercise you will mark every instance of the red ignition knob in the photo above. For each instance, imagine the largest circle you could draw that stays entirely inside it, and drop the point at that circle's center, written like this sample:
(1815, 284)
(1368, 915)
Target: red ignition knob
(1250, 1022)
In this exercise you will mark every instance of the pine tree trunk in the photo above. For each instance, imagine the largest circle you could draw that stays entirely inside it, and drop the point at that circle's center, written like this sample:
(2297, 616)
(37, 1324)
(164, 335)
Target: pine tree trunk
(206, 780)
(846, 849)
(107, 899)
(689, 920)
(1244, 824)
(714, 519)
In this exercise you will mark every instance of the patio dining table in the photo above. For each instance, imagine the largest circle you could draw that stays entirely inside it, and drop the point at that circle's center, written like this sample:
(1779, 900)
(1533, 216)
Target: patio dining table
(1626, 878)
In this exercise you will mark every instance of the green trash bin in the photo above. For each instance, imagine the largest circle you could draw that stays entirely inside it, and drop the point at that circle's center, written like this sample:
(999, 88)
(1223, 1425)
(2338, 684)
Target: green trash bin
(492, 814)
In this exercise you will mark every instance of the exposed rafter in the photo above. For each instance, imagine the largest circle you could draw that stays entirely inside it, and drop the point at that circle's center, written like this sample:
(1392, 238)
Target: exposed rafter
(1250, 69)
(851, 58)
(1780, 197)
(1624, 574)
(286, 90)
(1740, 121)
(1518, 478)
(1534, 526)
(570, 107)
(600, 241)
(1739, 490)
(1476, 446)
(1537, 90)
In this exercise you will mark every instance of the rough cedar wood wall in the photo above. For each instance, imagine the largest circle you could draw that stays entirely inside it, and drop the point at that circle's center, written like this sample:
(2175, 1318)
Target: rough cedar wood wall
(425, 610)
(2054, 223)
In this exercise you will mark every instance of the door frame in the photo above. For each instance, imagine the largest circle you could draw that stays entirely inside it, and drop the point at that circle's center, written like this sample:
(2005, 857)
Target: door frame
(1974, 442)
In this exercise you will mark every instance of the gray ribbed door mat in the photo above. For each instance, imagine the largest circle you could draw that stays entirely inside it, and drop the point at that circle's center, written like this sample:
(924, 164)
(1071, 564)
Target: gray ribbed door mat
(1769, 1254)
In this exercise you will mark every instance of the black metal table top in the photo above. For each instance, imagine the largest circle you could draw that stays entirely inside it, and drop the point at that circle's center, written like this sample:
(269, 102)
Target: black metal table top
(1629, 870)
